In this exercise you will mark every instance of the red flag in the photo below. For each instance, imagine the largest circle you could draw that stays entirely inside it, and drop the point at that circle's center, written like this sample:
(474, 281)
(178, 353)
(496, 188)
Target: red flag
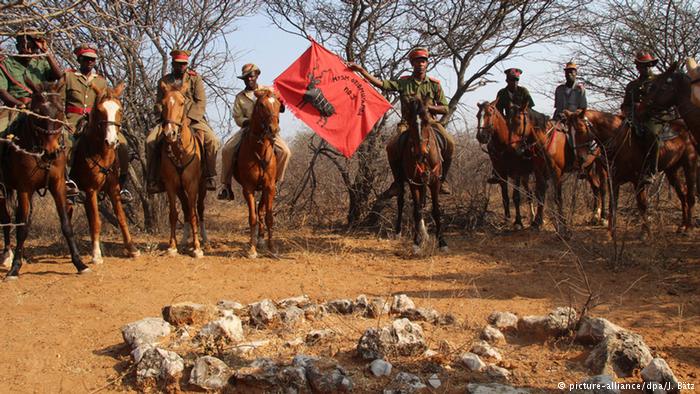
(335, 102)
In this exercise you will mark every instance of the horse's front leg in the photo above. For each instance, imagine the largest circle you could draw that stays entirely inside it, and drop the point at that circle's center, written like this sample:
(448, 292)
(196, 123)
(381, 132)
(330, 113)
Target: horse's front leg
(612, 217)
(95, 224)
(642, 206)
(191, 212)
(435, 193)
(269, 218)
(172, 243)
(505, 199)
(7, 253)
(262, 208)
(22, 222)
(399, 211)
(518, 224)
(249, 196)
(540, 195)
(682, 194)
(418, 223)
(200, 215)
(115, 198)
(58, 192)
(561, 220)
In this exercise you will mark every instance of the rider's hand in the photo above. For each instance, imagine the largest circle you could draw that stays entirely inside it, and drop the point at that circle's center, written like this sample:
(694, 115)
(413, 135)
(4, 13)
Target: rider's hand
(354, 66)
(41, 45)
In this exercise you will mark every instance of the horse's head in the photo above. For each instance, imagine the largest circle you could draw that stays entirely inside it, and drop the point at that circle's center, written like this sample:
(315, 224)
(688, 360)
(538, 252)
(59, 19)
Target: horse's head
(581, 128)
(486, 121)
(173, 110)
(266, 113)
(520, 124)
(666, 89)
(47, 119)
(106, 115)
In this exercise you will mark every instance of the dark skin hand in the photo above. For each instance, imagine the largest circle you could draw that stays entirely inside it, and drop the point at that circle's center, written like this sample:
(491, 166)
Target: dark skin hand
(420, 67)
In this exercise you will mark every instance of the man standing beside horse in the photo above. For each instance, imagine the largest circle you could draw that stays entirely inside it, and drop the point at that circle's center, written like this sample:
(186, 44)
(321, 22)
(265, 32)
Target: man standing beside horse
(196, 104)
(242, 112)
(647, 126)
(419, 85)
(33, 61)
(81, 89)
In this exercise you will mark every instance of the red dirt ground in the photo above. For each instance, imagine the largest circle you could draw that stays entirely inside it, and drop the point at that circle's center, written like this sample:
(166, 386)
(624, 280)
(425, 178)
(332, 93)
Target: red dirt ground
(61, 330)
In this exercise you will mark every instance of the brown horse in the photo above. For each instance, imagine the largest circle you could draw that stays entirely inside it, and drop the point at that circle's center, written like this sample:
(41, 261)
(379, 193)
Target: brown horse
(422, 166)
(550, 155)
(96, 167)
(181, 168)
(256, 167)
(492, 130)
(36, 161)
(554, 156)
(626, 155)
(673, 89)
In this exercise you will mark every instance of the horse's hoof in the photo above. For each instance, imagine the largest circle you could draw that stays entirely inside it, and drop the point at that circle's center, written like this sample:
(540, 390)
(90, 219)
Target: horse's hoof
(416, 249)
(643, 236)
(85, 271)
(98, 261)
(261, 243)
(444, 249)
(134, 253)
(604, 222)
(11, 278)
(7, 258)
(197, 253)
(252, 255)
(172, 252)
(518, 226)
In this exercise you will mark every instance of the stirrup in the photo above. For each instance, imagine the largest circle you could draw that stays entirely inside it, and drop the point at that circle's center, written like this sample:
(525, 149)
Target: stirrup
(71, 188)
(126, 195)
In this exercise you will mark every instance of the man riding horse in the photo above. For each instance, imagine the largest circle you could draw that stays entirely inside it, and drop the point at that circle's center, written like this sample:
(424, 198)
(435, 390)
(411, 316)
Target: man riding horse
(196, 110)
(242, 111)
(647, 126)
(34, 61)
(571, 96)
(508, 98)
(420, 85)
(79, 96)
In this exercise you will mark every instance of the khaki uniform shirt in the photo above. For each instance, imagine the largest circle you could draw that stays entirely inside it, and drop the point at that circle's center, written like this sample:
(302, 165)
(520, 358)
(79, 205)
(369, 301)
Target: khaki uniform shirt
(37, 70)
(506, 99)
(79, 92)
(196, 98)
(566, 98)
(243, 107)
(409, 86)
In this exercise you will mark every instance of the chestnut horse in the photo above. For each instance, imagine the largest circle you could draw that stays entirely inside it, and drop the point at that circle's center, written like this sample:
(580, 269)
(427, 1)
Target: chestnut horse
(181, 168)
(694, 74)
(673, 89)
(554, 156)
(422, 166)
(96, 167)
(626, 155)
(256, 167)
(35, 161)
(551, 157)
(492, 130)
